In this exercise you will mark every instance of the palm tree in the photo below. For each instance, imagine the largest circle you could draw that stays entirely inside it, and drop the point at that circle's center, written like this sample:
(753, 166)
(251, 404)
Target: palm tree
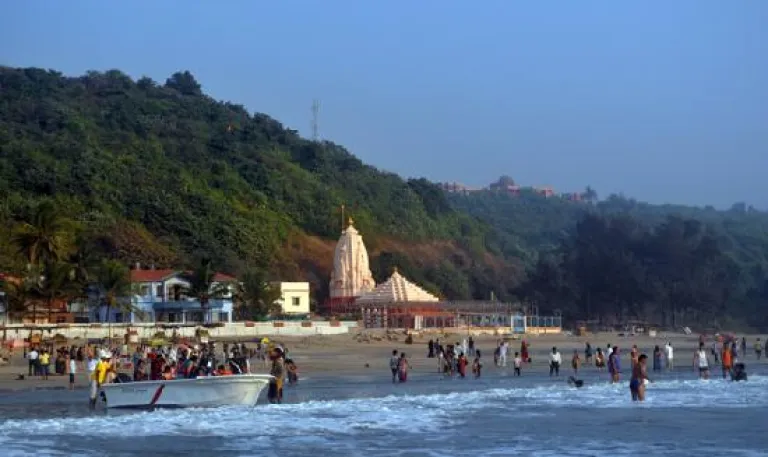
(203, 287)
(18, 293)
(45, 237)
(255, 297)
(57, 282)
(115, 284)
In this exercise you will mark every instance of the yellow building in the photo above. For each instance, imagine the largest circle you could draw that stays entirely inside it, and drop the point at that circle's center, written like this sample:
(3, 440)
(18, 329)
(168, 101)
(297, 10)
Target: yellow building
(294, 297)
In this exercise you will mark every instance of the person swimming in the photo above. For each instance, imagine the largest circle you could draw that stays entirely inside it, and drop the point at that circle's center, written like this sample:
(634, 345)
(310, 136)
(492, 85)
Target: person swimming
(575, 382)
(639, 379)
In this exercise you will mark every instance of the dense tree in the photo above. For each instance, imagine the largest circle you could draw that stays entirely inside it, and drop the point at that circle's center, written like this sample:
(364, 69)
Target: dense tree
(164, 174)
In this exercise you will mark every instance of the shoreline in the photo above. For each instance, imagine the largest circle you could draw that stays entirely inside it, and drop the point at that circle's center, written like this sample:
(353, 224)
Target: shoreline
(343, 356)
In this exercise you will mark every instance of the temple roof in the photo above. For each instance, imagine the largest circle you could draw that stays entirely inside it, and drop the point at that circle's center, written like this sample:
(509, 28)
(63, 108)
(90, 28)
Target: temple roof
(397, 289)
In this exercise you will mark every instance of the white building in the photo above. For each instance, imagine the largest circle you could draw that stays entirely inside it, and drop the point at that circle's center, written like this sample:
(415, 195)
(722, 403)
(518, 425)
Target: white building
(162, 296)
(294, 297)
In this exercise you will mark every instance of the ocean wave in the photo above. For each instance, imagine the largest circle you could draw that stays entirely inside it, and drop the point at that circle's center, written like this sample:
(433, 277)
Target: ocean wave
(319, 422)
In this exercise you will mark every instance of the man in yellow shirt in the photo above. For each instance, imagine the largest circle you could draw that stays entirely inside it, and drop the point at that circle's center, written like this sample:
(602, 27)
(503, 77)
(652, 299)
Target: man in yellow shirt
(99, 376)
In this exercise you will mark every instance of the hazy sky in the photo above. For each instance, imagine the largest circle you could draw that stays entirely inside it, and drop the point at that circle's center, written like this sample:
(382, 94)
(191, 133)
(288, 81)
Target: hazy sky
(666, 101)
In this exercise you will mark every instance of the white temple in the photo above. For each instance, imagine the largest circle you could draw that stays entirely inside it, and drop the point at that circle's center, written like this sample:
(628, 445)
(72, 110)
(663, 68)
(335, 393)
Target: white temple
(397, 289)
(351, 275)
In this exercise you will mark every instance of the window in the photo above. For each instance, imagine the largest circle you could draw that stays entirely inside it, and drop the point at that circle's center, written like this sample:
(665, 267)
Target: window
(118, 317)
(296, 301)
(144, 291)
(159, 291)
(223, 317)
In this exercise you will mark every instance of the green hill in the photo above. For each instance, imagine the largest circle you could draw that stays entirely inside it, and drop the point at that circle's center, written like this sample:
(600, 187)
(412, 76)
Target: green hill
(164, 174)
(619, 259)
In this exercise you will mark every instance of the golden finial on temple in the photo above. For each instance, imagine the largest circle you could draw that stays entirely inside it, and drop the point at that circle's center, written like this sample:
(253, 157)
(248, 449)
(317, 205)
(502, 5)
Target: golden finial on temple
(394, 270)
(350, 221)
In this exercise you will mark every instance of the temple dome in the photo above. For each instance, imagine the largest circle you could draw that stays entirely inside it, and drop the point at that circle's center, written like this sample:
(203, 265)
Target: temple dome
(397, 289)
(351, 275)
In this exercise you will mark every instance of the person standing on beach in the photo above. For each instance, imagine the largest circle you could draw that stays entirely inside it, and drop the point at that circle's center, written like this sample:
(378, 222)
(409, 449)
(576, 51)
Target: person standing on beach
(471, 346)
(639, 378)
(45, 364)
(670, 356)
(700, 359)
(758, 349)
(32, 357)
(430, 349)
(614, 365)
(72, 372)
(555, 359)
(394, 364)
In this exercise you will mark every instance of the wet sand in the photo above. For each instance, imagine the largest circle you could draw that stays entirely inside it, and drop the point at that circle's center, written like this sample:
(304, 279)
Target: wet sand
(344, 355)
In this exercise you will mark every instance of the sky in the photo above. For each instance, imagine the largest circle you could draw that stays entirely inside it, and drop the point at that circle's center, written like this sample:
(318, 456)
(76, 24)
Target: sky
(661, 101)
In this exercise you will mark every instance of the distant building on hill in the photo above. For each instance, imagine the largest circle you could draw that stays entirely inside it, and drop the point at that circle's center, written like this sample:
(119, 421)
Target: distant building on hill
(457, 188)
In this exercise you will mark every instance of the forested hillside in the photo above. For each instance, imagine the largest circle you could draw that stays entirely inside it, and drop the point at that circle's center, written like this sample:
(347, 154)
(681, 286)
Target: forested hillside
(163, 174)
(619, 259)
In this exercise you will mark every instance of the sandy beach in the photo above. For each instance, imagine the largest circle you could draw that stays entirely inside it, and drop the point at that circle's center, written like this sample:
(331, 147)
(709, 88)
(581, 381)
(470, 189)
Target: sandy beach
(344, 355)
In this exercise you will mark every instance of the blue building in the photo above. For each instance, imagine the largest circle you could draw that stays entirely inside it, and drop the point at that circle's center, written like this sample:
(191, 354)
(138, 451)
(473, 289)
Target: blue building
(161, 296)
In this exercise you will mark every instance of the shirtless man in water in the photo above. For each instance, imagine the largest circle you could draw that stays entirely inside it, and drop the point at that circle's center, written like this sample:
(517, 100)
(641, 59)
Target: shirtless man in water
(639, 378)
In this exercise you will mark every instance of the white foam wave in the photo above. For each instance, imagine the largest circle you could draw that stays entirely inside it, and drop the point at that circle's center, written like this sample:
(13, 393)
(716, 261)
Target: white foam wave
(321, 421)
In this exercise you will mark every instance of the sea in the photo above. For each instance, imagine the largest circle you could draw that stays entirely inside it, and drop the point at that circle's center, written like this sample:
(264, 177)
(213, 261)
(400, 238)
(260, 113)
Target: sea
(496, 415)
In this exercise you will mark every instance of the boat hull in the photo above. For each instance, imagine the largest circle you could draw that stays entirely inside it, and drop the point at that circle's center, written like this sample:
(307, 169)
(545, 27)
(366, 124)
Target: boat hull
(209, 391)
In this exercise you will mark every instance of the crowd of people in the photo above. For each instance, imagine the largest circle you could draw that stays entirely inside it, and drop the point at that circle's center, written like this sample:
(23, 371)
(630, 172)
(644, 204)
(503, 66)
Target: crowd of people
(453, 359)
(105, 364)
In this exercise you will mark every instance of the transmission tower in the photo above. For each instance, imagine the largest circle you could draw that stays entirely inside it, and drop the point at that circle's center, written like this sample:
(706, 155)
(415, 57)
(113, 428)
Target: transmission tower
(315, 116)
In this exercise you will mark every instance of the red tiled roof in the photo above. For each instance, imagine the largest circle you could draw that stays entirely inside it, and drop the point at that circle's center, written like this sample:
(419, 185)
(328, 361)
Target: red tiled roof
(221, 277)
(159, 275)
(150, 275)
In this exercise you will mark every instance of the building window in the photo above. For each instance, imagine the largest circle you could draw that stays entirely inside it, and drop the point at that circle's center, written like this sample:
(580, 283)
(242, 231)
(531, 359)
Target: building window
(144, 291)
(118, 317)
(295, 301)
(159, 291)
(223, 317)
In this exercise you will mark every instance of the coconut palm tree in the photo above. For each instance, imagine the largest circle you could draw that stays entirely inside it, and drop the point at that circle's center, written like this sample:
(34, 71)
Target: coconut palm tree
(203, 287)
(18, 294)
(115, 285)
(57, 282)
(46, 237)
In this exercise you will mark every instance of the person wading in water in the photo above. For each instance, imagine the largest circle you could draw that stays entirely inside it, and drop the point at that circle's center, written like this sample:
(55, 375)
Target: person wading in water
(394, 364)
(614, 365)
(700, 360)
(639, 378)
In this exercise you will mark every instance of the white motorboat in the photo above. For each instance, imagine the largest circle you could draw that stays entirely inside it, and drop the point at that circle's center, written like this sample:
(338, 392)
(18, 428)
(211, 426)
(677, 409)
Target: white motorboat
(241, 389)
